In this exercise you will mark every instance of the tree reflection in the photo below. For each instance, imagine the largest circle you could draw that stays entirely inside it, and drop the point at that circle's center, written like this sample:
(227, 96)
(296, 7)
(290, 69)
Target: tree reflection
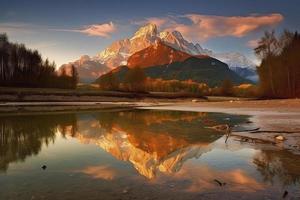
(281, 165)
(24, 135)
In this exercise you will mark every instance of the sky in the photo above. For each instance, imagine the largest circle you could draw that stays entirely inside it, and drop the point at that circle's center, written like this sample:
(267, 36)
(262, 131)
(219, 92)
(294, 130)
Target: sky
(64, 30)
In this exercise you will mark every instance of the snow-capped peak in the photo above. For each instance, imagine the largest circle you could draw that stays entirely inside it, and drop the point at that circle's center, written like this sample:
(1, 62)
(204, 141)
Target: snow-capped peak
(119, 52)
(234, 59)
(178, 35)
(149, 30)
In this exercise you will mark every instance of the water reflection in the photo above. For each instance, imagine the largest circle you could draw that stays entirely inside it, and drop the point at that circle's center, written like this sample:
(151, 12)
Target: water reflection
(280, 165)
(23, 136)
(153, 141)
(161, 146)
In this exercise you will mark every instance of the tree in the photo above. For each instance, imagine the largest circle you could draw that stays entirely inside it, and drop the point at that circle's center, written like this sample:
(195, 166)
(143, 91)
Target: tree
(23, 67)
(74, 76)
(108, 82)
(280, 67)
(3, 55)
(227, 88)
(267, 47)
(135, 79)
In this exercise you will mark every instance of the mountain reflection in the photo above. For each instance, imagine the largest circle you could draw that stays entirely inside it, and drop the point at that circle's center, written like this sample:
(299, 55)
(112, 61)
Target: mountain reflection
(154, 142)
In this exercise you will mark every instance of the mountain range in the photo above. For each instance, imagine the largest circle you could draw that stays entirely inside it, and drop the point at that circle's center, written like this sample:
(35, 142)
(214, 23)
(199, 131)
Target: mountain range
(119, 53)
(164, 62)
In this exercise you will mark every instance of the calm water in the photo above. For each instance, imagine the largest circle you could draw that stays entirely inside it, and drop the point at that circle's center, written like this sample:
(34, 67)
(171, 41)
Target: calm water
(138, 154)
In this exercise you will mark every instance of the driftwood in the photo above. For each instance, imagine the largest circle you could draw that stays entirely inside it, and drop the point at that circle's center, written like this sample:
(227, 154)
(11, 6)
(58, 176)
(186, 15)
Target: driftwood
(219, 182)
(253, 140)
(262, 131)
(227, 129)
(249, 130)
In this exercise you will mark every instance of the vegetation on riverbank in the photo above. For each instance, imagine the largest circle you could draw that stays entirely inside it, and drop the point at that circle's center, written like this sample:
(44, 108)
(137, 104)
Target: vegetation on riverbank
(23, 67)
(278, 75)
(279, 70)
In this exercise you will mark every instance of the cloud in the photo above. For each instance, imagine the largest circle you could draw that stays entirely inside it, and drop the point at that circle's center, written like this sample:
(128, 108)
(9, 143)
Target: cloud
(252, 43)
(203, 27)
(102, 30)
(17, 27)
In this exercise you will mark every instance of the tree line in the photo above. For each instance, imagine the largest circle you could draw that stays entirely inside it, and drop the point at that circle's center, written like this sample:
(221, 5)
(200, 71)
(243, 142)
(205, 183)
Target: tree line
(135, 80)
(279, 71)
(23, 67)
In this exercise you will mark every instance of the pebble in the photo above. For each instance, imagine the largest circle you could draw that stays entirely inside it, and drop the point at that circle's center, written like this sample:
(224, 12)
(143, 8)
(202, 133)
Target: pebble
(125, 191)
(44, 167)
(279, 137)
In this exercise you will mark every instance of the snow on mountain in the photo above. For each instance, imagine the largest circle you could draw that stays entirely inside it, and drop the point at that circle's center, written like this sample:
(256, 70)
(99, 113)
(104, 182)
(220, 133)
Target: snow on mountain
(176, 40)
(119, 51)
(234, 59)
(239, 64)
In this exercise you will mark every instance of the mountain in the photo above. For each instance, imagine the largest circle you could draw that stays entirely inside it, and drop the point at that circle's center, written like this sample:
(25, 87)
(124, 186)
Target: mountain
(239, 64)
(178, 65)
(119, 51)
(156, 54)
(87, 69)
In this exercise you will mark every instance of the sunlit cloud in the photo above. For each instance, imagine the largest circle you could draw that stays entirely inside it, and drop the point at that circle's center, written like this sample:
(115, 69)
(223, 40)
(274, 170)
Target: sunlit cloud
(252, 43)
(203, 27)
(102, 30)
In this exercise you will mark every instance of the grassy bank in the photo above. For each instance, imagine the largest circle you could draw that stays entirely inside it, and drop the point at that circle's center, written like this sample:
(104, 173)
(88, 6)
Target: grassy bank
(8, 94)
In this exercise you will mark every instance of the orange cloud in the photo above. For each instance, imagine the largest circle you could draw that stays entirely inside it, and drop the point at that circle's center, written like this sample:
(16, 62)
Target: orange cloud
(204, 27)
(102, 30)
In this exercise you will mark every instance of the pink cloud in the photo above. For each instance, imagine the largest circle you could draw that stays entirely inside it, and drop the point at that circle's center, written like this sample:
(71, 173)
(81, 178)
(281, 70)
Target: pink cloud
(204, 27)
(252, 43)
(102, 30)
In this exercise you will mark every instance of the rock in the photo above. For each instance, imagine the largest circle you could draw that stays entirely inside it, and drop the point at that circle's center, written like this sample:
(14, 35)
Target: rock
(125, 191)
(279, 138)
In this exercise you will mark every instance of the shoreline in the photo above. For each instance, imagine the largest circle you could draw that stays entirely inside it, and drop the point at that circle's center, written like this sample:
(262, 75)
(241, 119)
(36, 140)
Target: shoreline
(272, 117)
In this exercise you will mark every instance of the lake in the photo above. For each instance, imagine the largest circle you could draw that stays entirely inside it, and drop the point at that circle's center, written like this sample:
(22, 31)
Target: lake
(139, 154)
